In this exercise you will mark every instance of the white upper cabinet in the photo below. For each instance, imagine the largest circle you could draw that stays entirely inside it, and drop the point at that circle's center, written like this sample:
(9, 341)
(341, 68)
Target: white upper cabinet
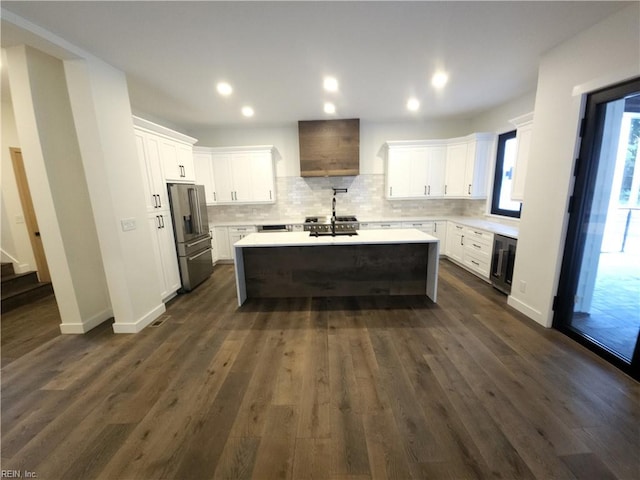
(177, 161)
(174, 149)
(406, 173)
(155, 188)
(439, 168)
(456, 170)
(238, 174)
(524, 127)
(203, 169)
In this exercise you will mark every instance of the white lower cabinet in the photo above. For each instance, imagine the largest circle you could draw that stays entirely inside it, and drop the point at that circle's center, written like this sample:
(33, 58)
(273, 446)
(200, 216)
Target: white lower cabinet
(225, 237)
(164, 249)
(440, 232)
(470, 247)
(221, 243)
(455, 241)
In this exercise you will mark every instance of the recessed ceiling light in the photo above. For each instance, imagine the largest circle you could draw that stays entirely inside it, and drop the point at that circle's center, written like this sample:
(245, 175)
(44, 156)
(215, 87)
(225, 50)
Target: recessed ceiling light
(413, 104)
(330, 84)
(247, 111)
(329, 107)
(439, 79)
(224, 88)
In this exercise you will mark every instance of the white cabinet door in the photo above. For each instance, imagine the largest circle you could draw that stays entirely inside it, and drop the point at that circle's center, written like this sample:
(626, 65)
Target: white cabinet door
(223, 177)
(241, 177)
(155, 189)
(177, 161)
(456, 169)
(262, 177)
(400, 165)
(455, 241)
(436, 158)
(480, 155)
(440, 232)
(164, 249)
(221, 236)
(203, 169)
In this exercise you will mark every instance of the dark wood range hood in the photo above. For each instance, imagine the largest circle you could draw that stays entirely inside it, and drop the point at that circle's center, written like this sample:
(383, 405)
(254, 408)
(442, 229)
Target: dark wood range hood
(329, 148)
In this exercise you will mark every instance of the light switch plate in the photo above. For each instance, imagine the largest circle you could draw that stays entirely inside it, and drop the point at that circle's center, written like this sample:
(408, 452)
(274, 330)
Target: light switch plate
(128, 224)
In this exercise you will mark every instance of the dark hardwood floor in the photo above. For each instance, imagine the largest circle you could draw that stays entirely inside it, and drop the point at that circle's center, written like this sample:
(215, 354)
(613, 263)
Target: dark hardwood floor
(321, 388)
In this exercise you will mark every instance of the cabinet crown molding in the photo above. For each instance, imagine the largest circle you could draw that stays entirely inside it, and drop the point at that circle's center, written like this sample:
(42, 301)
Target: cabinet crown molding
(163, 131)
(434, 141)
(244, 148)
(522, 119)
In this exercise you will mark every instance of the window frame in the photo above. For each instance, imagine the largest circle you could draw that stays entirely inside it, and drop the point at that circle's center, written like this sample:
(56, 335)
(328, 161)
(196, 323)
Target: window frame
(497, 178)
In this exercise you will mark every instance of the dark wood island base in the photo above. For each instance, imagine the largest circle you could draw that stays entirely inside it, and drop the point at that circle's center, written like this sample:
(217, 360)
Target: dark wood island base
(373, 262)
(336, 270)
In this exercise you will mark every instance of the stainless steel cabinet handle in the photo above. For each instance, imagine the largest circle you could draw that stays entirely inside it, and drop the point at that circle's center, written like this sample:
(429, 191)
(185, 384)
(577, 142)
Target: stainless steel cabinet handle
(469, 191)
(461, 239)
(158, 220)
(391, 191)
(435, 227)
(162, 220)
(475, 245)
(429, 190)
(445, 189)
(425, 189)
(215, 199)
(475, 263)
(270, 197)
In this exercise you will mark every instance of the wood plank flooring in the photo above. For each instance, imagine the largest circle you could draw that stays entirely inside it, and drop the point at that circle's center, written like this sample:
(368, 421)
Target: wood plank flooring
(315, 388)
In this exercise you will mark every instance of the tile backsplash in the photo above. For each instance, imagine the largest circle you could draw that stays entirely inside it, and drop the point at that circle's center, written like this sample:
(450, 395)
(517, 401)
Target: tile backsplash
(298, 197)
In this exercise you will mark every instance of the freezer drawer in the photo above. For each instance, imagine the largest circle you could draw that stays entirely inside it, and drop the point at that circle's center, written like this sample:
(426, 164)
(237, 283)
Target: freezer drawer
(195, 268)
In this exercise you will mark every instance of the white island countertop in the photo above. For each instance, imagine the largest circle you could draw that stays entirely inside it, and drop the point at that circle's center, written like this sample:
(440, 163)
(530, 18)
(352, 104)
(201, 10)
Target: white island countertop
(364, 237)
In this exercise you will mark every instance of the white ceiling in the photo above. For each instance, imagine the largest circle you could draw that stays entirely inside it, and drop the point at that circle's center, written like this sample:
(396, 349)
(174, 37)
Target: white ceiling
(275, 54)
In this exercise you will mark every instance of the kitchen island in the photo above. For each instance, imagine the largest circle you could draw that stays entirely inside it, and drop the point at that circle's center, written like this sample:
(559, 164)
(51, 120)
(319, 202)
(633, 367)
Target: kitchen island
(373, 262)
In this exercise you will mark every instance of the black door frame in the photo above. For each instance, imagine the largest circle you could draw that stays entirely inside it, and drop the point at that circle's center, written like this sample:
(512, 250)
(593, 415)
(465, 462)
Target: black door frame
(585, 172)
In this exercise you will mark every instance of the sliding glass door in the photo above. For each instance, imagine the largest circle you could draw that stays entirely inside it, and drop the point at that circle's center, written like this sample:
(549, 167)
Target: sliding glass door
(598, 300)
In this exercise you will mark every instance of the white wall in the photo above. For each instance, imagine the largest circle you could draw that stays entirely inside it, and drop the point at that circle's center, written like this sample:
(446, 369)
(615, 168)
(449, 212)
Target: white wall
(15, 244)
(60, 196)
(102, 112)
(604, 54)
(372, 137)
(497, 119)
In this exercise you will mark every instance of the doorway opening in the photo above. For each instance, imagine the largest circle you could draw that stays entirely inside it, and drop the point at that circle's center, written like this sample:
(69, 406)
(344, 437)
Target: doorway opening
(598, 300)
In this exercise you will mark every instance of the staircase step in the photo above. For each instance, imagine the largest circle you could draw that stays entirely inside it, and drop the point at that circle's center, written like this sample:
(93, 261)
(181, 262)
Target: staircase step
(17, 282)
(24, 295)
(7, 269)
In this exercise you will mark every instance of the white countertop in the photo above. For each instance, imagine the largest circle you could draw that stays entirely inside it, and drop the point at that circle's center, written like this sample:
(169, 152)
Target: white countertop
(364, 237)
(491, 226)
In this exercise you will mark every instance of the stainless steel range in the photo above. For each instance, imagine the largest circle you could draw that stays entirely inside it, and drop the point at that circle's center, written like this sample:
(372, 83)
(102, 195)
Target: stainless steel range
(322, 225)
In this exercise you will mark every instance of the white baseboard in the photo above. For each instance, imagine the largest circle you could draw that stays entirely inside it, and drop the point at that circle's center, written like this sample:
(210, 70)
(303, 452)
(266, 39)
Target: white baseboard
(525, 309)
(138, 325)
(79, 328)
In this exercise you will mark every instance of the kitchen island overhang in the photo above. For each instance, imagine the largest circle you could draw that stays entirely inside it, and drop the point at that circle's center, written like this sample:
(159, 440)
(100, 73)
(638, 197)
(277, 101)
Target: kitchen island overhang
(374, 262)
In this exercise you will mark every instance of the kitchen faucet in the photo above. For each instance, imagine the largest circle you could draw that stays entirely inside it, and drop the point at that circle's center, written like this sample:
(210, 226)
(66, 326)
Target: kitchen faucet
(333, 208)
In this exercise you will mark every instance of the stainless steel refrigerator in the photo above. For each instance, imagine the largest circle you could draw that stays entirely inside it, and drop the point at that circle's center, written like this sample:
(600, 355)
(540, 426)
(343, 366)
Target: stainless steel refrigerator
(191, 229)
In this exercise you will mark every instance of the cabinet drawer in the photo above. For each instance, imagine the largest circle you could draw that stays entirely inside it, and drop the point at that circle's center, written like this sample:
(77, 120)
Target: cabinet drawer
(479, 236)
(476, 263)
(242, 230)
(477, 248)
(374, 225)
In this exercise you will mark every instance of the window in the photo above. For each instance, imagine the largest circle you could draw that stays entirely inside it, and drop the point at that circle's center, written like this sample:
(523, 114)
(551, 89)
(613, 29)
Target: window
(501, 203)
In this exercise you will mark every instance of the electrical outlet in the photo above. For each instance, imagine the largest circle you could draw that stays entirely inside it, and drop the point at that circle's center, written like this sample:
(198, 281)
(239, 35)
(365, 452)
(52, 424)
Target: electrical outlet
(523, 286)
(128, 224)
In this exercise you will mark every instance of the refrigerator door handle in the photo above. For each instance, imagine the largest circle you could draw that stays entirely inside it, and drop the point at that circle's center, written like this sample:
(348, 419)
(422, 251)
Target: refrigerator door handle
(206, 250)
(189, 245)
(194, 206)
